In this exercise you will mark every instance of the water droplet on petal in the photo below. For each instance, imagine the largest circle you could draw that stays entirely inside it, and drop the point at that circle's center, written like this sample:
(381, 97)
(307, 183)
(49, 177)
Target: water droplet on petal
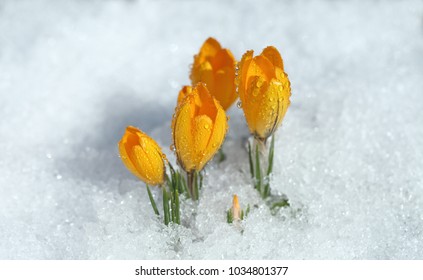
(255, 91)
(259, 83)
(239, 104)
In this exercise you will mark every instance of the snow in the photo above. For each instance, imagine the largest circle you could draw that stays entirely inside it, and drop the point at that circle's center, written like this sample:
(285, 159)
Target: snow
(74, 74)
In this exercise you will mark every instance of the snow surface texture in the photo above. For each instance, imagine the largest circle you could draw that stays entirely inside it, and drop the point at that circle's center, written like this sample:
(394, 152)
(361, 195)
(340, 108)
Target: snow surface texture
(74, 74)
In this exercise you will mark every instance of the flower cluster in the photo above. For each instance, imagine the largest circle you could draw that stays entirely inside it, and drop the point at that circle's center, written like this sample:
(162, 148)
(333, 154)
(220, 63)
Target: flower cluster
(200, 123)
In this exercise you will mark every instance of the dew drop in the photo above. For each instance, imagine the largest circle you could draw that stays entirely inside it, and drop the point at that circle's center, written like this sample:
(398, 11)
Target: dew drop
(172, 147)
(239, 104)
(256, 91)
(259, 83)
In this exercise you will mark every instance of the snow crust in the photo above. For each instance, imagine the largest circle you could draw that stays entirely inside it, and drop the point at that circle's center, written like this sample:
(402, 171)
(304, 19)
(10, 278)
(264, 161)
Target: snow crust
(74, 74)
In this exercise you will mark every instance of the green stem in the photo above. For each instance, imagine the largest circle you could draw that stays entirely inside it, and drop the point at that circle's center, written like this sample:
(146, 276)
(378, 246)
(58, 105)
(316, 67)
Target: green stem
(250, 159)
(271, 154)
(269, 167)
(166, 206)
(258, 182)
(190, 179)
(153, 203)
(196, 192)
(201, 179)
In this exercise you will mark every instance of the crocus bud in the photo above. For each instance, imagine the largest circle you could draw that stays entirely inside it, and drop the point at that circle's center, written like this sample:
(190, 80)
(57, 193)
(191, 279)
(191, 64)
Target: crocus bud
(215, 67)
(264, 90)
(236, 210)
(198, 128)
(142, 156)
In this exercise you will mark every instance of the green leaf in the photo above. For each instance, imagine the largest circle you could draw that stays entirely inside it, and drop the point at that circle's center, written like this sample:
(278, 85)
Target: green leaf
(229, 217)
(172, 206)
(185, 186)
(153, 203)
(222, 155)
(282, 203)
(176, 210)
(179, 186)
(271, 154)
(166, 207)
(247, 211)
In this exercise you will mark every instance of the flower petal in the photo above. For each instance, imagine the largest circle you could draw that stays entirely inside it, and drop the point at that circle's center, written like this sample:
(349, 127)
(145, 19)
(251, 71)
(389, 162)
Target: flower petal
(254, 111)
(202, 129)
(273, 55)
(204, 102)
(220, 126)
(182, 129)
(260, 66)
(223, 58)
(123, 148)
(209, 49)
(242, 74)
(183, 93)
(224, 89)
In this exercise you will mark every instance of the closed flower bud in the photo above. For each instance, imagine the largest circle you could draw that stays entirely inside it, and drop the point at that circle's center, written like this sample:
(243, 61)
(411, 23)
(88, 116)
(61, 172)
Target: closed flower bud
(198, 127)
(215, 67)
(236, 209)
(264, 90)
(142, 156)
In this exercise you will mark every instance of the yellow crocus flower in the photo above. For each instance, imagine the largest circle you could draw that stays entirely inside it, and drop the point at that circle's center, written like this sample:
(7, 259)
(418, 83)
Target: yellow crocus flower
(198, 127)
(142, 156)
(264, 90)
(215, 67)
